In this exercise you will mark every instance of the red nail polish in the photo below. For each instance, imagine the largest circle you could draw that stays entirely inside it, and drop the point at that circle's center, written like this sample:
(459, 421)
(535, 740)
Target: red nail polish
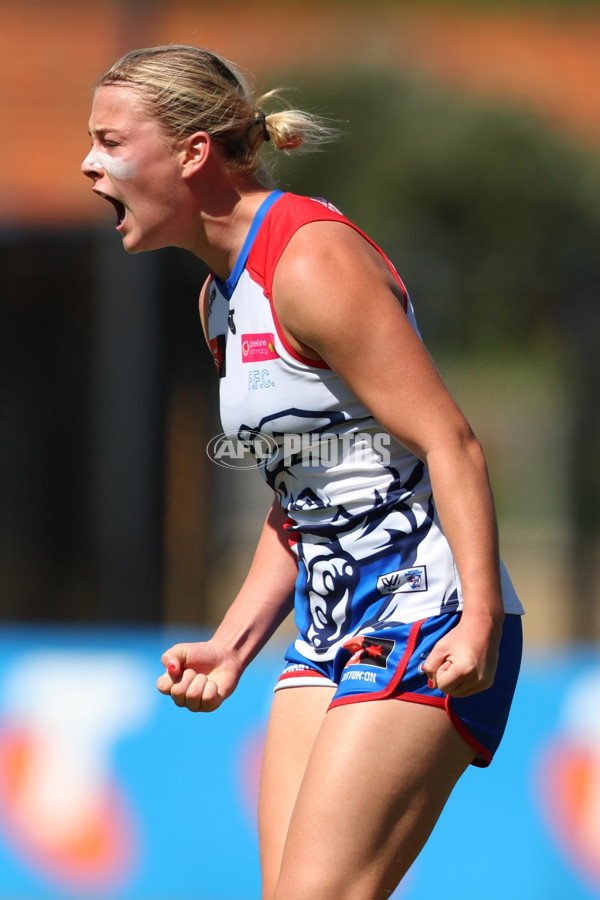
(172, 669)
(429, 683)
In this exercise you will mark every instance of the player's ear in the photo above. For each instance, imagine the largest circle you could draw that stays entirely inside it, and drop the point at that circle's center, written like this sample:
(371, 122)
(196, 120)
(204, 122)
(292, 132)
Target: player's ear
(195, 151)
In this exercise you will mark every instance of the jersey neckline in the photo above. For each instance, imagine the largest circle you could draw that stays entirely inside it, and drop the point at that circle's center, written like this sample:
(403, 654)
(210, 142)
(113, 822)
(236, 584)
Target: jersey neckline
(228, 287)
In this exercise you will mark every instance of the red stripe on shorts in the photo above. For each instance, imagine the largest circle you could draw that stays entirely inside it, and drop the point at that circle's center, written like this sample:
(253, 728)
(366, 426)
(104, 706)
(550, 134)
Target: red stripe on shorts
(397, 676)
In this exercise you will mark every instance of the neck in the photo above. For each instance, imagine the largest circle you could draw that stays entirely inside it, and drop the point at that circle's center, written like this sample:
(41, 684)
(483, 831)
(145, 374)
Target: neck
(225, 219)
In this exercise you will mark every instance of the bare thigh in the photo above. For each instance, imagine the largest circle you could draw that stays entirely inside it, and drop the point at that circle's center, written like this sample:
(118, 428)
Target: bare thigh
(296, 718)
(376, 780)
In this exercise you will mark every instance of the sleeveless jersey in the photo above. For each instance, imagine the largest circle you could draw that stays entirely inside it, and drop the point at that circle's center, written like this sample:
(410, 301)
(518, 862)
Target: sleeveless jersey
(362, 520)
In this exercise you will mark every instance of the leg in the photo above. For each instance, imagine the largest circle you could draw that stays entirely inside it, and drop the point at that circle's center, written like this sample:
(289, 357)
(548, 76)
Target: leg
(296, 717)
(377, 780)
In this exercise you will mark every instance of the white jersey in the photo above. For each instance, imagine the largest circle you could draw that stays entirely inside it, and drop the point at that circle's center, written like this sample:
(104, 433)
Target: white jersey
(362, 519)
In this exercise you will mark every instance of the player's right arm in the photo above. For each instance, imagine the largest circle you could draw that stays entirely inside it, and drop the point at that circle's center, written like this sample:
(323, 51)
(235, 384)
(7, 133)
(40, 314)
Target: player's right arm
(199, 676)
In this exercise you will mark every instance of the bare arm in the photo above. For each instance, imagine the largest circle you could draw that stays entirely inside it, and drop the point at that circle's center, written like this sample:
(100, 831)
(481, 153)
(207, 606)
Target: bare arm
(338, 301)
(201, 675)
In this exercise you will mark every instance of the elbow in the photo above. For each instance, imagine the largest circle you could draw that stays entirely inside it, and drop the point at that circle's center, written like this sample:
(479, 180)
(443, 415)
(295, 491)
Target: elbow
(472, 447)
(460, 446)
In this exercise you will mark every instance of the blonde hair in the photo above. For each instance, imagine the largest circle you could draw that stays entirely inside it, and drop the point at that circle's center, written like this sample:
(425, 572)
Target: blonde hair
(189, 89)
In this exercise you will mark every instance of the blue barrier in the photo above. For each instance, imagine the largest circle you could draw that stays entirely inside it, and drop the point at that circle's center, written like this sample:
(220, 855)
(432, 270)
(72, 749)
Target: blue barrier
(107, 790)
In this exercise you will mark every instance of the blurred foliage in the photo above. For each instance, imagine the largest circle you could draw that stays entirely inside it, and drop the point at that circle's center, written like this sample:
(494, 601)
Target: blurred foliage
(572, 6)
(491, 217)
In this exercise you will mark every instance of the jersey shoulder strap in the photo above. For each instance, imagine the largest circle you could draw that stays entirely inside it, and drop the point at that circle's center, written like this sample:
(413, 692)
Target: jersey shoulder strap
(286, 216)
(289, 213)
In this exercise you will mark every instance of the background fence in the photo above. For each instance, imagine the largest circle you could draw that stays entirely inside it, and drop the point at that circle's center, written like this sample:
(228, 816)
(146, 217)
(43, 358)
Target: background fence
(107, 790)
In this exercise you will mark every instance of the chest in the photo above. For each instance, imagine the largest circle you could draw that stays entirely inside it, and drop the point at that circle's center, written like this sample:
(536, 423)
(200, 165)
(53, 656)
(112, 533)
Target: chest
(262, 385)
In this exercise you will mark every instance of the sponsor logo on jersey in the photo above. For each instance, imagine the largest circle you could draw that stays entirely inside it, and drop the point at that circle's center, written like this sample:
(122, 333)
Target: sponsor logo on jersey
(403, 581)
(368, 651)
(258, 347)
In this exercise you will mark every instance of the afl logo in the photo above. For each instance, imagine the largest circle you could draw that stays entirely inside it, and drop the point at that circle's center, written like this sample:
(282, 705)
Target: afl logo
(241, 451)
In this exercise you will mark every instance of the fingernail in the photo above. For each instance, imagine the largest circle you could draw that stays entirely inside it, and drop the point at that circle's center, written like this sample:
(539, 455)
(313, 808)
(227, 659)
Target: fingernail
(429, 683)
(172, 669)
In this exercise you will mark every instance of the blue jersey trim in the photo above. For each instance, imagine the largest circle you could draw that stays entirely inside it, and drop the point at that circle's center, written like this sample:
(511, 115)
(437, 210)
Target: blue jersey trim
(228, 287)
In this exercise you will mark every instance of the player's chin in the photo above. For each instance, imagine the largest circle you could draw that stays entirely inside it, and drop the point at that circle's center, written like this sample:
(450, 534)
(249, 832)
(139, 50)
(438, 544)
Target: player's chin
(131, 235)
(136, 242)
(131, 244)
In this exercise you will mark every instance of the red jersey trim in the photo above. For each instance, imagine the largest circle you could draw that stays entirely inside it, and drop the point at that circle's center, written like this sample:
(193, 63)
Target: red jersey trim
(287, 215)
(306, 360)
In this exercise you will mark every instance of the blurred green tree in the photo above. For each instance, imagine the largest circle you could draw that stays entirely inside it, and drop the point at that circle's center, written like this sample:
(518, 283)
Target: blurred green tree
(491, 218)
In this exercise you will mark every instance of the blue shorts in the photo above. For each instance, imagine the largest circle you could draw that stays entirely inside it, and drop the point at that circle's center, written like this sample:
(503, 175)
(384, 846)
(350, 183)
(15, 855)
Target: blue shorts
(388, 663)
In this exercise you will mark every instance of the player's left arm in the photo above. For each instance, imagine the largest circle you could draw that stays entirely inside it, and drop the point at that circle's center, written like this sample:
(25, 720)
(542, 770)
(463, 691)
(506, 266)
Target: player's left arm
(337, 300)
(203, 304)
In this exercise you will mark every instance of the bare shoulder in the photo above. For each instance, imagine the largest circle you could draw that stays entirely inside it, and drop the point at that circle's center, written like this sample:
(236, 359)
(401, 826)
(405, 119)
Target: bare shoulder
(331, 279)
(319, 247)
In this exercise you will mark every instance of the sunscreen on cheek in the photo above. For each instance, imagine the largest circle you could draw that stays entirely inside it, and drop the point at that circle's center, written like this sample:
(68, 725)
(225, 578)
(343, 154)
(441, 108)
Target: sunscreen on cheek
(118, 168)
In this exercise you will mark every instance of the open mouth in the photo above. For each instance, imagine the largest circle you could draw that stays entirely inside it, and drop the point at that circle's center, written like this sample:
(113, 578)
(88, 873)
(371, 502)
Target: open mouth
(119, 207)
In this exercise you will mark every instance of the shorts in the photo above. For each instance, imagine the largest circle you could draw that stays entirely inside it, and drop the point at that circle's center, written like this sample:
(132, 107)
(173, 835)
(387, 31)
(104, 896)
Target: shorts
(388, 663)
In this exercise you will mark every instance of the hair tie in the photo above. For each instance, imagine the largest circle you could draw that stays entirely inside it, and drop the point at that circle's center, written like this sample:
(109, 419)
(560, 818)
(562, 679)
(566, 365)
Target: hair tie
(262, 121)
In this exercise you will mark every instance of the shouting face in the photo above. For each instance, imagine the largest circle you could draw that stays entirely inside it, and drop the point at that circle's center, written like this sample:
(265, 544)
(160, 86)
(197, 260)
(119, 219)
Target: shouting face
(136, 167)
